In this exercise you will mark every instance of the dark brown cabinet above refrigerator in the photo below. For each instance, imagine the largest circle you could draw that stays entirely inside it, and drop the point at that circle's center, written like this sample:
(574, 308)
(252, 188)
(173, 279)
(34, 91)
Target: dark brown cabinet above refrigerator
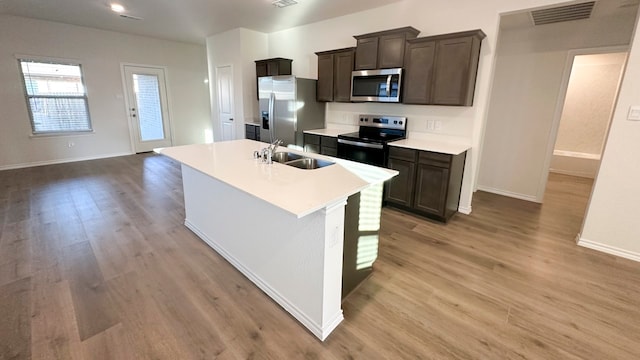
(442, 69)
(383, 49)
(334, 74)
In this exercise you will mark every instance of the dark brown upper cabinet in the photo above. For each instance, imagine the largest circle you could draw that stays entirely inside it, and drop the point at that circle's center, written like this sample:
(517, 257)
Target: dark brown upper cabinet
(442, 69)
(334, 75)
(273, 67)
(383, 49)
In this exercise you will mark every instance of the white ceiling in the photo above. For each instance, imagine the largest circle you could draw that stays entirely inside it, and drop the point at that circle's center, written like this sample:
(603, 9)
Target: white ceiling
(186, 20)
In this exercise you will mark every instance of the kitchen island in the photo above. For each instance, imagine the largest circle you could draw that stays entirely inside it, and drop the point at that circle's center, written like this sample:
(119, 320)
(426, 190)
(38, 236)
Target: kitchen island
(281, 226)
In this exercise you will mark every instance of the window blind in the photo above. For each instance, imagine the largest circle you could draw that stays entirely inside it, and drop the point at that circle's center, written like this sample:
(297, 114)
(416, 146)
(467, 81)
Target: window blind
(56, 97)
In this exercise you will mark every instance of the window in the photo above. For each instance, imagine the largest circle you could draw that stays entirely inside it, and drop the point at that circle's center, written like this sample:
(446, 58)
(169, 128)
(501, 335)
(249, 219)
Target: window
(56, 97)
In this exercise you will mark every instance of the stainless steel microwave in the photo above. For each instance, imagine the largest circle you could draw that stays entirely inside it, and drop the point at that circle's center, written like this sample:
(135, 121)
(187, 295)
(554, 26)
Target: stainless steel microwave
(376, 85)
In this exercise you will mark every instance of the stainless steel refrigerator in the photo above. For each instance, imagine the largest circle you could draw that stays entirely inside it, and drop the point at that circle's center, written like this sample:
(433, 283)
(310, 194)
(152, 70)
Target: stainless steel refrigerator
(288, 106)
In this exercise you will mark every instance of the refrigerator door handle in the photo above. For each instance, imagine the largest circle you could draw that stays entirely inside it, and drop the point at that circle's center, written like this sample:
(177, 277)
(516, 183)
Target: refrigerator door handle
(272, 129)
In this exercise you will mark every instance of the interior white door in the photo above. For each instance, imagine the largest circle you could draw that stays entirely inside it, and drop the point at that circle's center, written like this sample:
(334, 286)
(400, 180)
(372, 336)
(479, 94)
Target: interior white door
(224, 78)
(147, 107)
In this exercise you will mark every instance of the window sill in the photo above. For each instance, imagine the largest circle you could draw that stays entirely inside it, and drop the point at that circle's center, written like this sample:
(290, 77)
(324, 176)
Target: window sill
(62, 134)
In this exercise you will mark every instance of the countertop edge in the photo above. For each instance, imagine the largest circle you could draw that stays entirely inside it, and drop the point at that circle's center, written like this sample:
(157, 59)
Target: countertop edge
(424, 145)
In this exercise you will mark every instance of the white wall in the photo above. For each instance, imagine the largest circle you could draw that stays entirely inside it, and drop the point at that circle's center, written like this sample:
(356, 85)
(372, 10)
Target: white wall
(238, 48)
(100, 53)
(529, 71)
(593, 86)
(611, 223)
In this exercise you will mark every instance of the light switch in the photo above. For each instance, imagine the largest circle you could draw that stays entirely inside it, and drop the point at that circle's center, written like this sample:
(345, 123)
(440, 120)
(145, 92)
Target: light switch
(430, 124)
(634, 113)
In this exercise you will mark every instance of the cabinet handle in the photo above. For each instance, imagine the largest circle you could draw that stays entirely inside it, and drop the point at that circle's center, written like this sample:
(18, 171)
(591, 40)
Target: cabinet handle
(361, 144)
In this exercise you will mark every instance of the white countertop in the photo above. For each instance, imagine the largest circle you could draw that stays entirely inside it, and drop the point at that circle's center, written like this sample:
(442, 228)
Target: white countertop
(297, 191)
(438, 146)
(333, 132)
(414, 140)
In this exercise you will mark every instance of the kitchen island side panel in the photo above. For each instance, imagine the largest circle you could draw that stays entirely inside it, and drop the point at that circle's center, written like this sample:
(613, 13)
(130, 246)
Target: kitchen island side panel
(296, 261)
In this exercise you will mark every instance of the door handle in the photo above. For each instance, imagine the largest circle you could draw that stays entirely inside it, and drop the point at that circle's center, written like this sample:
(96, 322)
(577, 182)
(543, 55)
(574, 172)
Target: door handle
(230, 119)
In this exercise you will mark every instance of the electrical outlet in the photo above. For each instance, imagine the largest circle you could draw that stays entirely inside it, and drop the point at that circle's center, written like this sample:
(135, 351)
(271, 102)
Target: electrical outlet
(634, 113)
(438, 125)
(71, 144)
(430, 125)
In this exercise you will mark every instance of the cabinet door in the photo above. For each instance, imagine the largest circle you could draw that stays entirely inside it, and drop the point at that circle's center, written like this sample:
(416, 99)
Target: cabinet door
(329, 151)
(400, 188)
(329, 146)
(431, 189)
(324, 90)
(261, 69)
(273, 68)
(391, 51)
(343, 66)
(312, 143)
(453, 65)
(367, 54)
(250, 132)
(418, 77)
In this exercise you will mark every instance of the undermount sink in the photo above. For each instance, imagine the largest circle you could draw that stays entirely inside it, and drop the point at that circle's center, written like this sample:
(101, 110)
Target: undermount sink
(283, 157)
(309, 163)
(298, 161)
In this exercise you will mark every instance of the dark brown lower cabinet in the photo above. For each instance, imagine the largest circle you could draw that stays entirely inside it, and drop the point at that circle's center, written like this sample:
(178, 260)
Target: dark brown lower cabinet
(428, 183)
(431, 188)
(325, 145)
(400, 188)
(252, 132)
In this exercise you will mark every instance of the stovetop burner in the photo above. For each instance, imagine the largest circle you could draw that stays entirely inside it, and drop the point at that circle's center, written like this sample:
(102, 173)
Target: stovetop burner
(373, 137)
(378, 129)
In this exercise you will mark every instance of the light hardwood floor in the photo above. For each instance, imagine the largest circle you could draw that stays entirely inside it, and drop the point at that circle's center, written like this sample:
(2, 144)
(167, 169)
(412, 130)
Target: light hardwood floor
(96, 264)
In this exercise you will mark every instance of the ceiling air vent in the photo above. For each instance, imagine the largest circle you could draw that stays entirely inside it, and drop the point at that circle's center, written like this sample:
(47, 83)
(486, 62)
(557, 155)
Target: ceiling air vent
(283, 3)
(563, 13)
(131, 17)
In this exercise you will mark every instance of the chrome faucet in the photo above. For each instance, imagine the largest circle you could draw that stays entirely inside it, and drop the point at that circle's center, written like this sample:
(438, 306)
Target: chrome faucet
(265, 154)
(274, 145)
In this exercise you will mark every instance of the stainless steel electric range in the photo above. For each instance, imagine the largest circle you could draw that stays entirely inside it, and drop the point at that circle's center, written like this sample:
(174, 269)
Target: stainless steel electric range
(370, 143)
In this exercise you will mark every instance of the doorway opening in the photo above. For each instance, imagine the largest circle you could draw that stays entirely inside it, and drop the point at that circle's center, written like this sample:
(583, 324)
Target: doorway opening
(585, 108)
(589, 100)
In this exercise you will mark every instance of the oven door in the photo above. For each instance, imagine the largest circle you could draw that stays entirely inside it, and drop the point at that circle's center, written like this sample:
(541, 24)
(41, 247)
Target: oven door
(364, 152)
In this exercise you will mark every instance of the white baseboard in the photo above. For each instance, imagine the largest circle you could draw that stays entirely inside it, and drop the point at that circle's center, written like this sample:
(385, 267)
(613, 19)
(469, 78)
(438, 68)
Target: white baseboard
(531, 198)
(609, 249)
(465, 210)
(60, 161)
(316, 329)
(573, 173)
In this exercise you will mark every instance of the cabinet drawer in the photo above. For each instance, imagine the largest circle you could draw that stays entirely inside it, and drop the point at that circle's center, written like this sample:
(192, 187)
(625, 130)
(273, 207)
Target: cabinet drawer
(311, 139)
(402, 153)
(328, 141)
(435, 159)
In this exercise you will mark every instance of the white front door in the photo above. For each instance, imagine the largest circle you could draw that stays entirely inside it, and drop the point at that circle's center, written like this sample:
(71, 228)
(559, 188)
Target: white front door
(148, 109)
(224, 78)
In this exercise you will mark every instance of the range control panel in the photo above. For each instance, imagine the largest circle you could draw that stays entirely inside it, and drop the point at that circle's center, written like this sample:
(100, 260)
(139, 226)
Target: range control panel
(383, 121)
